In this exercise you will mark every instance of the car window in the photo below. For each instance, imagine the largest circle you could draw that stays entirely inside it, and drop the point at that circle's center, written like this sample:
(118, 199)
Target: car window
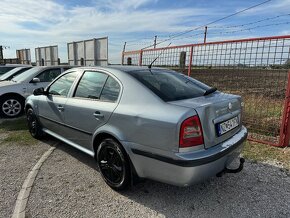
(62, 85)
(111, 90)
(16, 71)
(170, 85)
(49, 75)
(5, 69)
(91, 85)
(66, 68)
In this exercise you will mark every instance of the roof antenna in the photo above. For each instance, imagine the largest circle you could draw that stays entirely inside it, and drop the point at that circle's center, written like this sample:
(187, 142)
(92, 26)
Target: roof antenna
(150, 65)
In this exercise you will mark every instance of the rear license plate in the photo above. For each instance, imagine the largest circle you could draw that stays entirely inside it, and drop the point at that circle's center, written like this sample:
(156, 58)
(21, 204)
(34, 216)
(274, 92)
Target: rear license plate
(228, 125)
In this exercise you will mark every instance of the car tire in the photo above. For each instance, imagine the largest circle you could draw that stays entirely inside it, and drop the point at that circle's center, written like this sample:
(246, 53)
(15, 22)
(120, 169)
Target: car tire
(33, 124)
(11, 106)
(114, 164)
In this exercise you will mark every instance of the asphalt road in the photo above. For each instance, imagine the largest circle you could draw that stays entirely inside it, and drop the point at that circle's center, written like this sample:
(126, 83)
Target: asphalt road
(69, 186)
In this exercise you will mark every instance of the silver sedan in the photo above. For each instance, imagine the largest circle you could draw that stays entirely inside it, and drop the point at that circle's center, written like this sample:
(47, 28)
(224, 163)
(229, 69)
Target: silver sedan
(141, 122)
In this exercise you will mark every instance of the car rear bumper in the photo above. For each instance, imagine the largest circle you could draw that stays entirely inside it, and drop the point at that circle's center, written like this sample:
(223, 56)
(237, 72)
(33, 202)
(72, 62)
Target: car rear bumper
(188, 168)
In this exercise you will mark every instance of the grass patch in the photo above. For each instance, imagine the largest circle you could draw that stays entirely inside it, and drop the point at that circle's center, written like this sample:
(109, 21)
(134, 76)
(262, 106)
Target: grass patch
(13, 124)
(265, 153)
(16, 131)
(22, 137)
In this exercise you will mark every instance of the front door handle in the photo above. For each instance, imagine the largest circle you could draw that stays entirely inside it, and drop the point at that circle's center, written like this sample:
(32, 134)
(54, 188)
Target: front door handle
(98, 114)
(60, 108)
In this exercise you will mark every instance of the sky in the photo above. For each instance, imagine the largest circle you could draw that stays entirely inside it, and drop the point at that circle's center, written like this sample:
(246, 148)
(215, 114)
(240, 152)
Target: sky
(31, 23)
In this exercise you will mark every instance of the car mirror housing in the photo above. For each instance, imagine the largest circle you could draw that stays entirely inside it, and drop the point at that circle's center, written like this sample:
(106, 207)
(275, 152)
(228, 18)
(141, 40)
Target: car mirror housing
(39, 91)
(35, 80)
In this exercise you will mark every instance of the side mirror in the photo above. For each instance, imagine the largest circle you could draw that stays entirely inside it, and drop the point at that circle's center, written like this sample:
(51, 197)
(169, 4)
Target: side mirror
(39, 91)
(35, 80)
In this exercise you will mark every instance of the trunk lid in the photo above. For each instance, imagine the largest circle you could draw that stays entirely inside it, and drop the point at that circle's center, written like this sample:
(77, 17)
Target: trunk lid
(213, 110)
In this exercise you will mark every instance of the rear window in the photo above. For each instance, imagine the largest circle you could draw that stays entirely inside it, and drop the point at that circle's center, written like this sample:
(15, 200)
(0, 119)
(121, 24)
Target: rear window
(170, 85)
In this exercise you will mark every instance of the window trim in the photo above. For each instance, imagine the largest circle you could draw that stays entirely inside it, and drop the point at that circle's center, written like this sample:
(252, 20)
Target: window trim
(99, 99)
(57, 78)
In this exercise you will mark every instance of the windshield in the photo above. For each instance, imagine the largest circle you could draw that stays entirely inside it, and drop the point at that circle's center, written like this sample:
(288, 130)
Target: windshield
(27, 74)
(16, 71)
(5, 69)
(170, 85)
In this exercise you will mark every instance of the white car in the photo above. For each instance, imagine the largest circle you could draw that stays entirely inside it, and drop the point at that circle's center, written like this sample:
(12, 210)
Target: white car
(7, 67)
(13, 93)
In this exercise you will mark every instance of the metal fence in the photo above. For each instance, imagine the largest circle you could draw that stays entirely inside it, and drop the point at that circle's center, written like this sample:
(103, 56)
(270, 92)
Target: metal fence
(256, 69)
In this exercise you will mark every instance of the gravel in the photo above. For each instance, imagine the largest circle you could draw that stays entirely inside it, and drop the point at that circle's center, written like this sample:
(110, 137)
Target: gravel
(69, 186)
(15, 163)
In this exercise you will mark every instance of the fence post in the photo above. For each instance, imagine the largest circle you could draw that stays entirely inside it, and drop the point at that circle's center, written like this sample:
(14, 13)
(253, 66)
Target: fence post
(140, 58)
(190, 61)
(285, 126)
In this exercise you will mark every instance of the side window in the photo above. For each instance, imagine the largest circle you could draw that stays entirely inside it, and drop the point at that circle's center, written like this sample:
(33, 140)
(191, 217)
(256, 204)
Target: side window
(91, 85)
(49, 75)
(62, 85)
(111, 90)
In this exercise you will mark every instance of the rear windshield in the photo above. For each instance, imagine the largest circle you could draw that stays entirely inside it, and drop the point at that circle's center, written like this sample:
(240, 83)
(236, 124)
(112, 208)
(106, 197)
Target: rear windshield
(170, 85)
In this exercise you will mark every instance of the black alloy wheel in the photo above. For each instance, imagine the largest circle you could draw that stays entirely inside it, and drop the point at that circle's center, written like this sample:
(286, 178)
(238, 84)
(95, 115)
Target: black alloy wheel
(33, 124)
(113, 164)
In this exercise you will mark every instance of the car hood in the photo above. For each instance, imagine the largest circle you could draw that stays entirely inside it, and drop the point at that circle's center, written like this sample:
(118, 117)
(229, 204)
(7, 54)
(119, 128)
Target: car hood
(7, 83)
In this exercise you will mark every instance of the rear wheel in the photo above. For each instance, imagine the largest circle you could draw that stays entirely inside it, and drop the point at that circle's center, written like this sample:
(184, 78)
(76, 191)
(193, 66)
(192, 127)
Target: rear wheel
(113, 164)
(11, 106)
(34, 126)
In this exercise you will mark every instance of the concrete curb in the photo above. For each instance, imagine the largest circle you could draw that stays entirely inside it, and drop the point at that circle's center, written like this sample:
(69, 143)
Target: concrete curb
(22, 199)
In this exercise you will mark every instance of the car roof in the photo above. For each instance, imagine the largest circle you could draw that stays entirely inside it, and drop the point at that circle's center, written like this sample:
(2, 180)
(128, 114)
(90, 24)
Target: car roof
(55, 66)
(15, 65)
(124, 68)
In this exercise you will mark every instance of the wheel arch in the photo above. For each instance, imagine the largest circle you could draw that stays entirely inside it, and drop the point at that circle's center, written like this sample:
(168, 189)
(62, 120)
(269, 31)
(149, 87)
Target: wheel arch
(103, 135)
(13, 94)
(8, 96)
(100, 136)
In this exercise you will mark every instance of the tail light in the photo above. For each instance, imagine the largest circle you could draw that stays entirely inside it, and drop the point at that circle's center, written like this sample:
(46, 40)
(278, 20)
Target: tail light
(190, 133)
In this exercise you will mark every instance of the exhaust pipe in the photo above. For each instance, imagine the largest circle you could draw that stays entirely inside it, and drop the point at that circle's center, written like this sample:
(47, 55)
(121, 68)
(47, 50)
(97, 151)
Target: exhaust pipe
(226, 170)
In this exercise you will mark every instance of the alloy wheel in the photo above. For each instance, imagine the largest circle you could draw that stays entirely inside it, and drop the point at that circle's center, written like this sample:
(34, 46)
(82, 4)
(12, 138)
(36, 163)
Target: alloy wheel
(11, 107)
(111, 165)
(32, 123)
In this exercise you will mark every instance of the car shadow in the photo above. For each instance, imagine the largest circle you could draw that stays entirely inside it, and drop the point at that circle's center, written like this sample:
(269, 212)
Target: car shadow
(259, 190)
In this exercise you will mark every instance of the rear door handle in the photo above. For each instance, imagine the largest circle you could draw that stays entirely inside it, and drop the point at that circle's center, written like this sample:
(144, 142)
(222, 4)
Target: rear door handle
(60, 108)
(98, 114)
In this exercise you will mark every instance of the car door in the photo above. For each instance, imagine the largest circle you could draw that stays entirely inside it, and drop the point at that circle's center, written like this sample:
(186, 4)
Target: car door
(90, 107)
(51, 106)
(45, 77)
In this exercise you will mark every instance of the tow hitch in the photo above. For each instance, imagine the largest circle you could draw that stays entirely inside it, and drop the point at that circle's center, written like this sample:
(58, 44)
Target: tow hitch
(226, 170)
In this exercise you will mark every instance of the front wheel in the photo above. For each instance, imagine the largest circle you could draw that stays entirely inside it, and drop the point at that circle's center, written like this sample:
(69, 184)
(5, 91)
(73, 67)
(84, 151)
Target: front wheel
(11, 106)
(113, 164)
(34, 126)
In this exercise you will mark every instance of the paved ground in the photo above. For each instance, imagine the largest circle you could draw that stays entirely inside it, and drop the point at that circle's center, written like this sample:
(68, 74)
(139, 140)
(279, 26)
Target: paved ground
(15, 163)
(69, 186)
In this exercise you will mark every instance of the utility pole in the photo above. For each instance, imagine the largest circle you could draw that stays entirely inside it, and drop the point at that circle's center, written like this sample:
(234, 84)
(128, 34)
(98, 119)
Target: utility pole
(205, 33)
(124, 49)
(1, 52)
(155, 41)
